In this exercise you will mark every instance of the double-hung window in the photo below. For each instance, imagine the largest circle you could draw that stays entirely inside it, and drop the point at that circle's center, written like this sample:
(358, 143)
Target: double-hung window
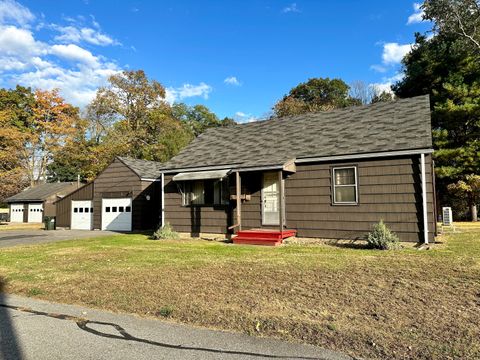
(345, 185)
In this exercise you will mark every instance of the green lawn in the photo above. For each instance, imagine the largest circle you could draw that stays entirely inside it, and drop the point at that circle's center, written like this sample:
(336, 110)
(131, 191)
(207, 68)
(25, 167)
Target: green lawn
(375, 304)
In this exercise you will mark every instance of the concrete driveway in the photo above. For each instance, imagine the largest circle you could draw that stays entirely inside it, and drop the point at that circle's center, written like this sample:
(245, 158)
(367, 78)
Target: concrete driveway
(33, 329)
(27, 237)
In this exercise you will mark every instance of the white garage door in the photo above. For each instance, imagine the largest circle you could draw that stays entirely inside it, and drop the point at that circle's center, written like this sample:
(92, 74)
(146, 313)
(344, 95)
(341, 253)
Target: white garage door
(16, 213)
(82, 215)
(35, 213)
(117, 214)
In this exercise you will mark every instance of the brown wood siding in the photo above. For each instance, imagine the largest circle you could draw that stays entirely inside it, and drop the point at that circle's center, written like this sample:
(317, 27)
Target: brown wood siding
(118, 181)
(63, 206)
(193, 219)
(389, 189)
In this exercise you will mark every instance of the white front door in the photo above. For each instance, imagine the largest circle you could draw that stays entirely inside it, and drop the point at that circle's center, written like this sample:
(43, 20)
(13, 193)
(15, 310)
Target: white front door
(82, 215)
(270, 197)
(35, 213)
(16, 213)
(117, 214)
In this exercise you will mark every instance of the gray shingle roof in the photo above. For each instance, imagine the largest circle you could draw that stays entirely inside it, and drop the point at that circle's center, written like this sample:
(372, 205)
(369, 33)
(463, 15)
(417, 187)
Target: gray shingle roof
(387, 126)
(42, 192)
(143, 168)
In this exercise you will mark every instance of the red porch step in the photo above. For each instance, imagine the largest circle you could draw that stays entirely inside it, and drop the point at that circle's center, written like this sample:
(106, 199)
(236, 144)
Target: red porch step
(262, 236)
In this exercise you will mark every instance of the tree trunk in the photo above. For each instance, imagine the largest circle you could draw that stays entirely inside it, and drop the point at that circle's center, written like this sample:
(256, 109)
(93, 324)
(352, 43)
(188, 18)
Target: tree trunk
(473, 211)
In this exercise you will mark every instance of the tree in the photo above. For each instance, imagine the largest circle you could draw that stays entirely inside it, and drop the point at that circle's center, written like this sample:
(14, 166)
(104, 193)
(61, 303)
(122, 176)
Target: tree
(198, 118)
(368, 93)
(15, 117)
(382, 97)
(468, 188)
(129, 96)
(54, 124)
(317, 94)
(449, 71)
(460, 18)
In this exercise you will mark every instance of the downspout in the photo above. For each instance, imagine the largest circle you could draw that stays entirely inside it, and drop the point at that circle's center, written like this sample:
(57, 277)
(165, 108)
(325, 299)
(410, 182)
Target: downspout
(162, 199)
(424, 199)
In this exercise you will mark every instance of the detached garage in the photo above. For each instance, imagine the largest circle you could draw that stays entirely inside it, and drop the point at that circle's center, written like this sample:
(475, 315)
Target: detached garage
(124, 197)
(32, 204)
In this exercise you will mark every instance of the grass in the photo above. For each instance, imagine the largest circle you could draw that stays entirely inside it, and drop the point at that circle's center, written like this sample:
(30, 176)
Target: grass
(20, 226)
(375, 304)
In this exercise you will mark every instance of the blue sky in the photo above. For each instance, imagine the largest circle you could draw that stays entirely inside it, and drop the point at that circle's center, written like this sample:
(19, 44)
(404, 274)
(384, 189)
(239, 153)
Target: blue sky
(236, 57)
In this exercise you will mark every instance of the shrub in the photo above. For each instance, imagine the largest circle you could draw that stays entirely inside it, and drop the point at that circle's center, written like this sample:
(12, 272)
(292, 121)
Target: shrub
(165, 232)
(165, 311)
(381, 237)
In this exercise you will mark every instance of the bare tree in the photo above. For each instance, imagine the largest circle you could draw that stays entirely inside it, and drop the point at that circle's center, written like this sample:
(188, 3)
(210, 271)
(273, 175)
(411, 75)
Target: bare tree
(460, 17)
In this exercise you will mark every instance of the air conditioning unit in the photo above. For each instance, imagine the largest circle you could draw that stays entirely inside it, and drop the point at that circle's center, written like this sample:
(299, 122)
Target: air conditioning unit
(447, 216)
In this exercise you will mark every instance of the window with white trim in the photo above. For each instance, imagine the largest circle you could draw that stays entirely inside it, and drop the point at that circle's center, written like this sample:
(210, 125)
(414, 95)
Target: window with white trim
(345, 185)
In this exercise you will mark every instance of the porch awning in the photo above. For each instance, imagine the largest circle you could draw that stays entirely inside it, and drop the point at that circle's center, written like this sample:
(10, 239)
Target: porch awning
(201, 175)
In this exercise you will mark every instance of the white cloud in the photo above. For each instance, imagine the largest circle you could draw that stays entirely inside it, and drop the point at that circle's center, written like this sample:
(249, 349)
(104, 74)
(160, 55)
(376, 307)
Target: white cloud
(393, 53)
(51, 64)
(18, 42)
(378, 68)
(187, 91)
(13, 12)
(232, 80)
(291, 8)
(75, 53)
(242, 117)
(387, 82)
(72, 34)
(417, 15)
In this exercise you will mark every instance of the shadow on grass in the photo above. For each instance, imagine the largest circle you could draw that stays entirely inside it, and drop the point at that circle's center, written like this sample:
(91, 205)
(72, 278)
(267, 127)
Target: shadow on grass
(9, 347)
(349, 244)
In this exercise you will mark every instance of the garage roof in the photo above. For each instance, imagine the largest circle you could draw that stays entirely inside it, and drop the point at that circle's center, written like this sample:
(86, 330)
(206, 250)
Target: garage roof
(143, 168)
(41, 192)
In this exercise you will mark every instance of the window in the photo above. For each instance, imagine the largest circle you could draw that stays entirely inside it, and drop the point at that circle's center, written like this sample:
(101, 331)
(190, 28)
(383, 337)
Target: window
(128, 209)
(87, 209)
(205, 192)
(80, 210)
(120, 209)
(91, 210)
(107, 209)
(345, 185)
(114, 209)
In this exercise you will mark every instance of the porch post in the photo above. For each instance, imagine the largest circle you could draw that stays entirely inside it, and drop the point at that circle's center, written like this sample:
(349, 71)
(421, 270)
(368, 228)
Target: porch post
(281, 201)
(162, 205)
(424, 199)
(238, 184)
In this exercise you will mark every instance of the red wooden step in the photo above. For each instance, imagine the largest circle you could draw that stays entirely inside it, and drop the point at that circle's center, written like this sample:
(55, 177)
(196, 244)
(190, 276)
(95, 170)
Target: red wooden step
(262, 236)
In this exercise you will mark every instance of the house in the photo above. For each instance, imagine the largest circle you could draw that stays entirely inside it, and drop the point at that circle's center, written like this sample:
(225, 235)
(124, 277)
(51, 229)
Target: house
(325, 175)
(32, 204)
(123, 197)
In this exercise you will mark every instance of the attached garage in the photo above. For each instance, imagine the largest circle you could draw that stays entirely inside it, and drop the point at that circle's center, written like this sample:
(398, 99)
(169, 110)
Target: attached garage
(125, 196)
(82, 215)
(117, 214)
(16, 213)
(34, 203)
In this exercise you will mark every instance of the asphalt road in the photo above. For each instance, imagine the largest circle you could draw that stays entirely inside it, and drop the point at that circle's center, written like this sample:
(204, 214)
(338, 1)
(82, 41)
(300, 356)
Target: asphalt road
(33, 329)
(27, 237)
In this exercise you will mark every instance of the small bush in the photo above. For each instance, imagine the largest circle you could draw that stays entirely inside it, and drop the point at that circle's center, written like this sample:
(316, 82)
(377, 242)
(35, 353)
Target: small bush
(165, 311)
(164, 233)
(381, 237)
(34, 292)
